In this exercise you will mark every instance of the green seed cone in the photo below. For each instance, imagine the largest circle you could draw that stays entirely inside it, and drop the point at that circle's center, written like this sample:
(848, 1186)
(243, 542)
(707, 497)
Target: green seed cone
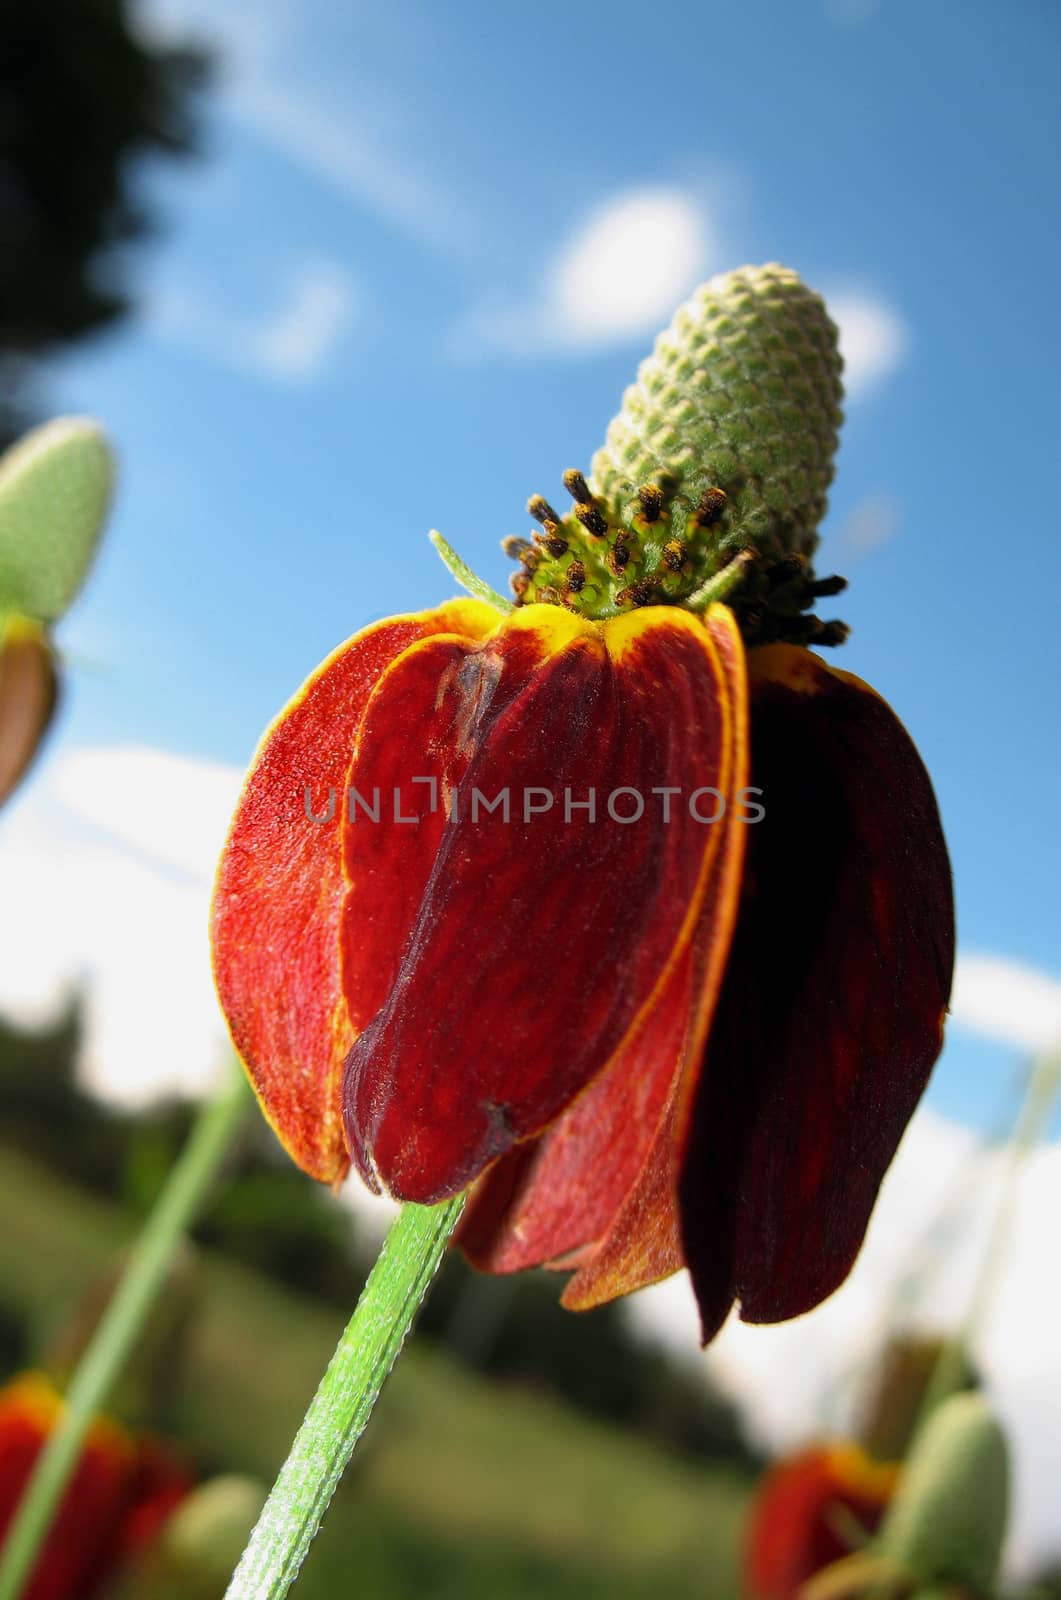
(947, 1524)
(742, 392)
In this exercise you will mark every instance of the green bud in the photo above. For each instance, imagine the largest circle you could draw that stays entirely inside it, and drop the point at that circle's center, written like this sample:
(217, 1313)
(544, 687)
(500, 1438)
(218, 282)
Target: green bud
(199, 1546)
(209, 1530)
(55, 491)
(947, 1524)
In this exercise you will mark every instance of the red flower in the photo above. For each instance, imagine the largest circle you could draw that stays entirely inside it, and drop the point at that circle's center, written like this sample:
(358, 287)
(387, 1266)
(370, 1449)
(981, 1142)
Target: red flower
(530, 998)
(498, 908)
(121, 1492)
(808, 1513)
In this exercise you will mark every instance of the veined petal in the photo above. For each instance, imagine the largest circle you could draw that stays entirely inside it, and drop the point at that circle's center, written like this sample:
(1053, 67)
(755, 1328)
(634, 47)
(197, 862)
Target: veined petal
(542, 941)
(559, 1194)
(602, 1181)
(420, 729)
(832, 1009)
(29, 691)
(280, 890)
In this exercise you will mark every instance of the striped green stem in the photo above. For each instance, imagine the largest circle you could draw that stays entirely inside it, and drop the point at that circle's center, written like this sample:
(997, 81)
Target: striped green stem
(339, 1411)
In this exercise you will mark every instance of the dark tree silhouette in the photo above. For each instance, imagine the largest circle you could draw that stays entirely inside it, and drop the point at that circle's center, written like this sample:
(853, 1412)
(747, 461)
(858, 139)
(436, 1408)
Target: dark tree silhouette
(82, 98)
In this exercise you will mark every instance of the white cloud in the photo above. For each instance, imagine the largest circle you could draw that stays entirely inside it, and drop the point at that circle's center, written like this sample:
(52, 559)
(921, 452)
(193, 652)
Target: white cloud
(618, 277)
(916, 1271)
(292, 344)
(107, 864)
(1005, 1001)
(874, 339)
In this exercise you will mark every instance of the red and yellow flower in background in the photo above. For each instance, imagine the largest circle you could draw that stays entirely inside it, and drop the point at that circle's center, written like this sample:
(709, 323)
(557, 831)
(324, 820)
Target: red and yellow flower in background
(809, 1512)
(122, 1490)
(675, 1003)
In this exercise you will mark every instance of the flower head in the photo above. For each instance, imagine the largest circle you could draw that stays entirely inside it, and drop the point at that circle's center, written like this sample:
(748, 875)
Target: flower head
(809, 1511)
(121, 1492)
(621, 906)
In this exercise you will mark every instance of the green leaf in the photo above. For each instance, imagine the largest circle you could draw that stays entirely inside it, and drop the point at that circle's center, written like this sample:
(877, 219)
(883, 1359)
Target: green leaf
(55, 491)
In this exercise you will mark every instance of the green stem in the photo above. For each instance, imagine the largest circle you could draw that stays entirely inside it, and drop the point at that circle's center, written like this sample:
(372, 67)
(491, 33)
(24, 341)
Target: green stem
(340, 1409)
(952, 1368)
(465, 576)
(121, 1322)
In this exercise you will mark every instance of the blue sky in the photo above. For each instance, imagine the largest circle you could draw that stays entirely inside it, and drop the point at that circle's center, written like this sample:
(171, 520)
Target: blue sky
(387, 299)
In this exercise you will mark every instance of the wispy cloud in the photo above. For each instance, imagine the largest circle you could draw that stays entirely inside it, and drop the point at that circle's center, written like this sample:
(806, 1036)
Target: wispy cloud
(872, 521)
(1009, 1002)
(273, 79)
(851, 13)
(292, 343)
(336, 150)
(874, 339)
(617, 278)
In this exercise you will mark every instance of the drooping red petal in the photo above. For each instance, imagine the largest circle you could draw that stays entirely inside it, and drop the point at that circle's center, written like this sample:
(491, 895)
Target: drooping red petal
(541, 941)
(806, 1512)
(280, 890)
(602, 1181)
(831, 1012)
(559, 1194)
(643, 1243)
(28, 694)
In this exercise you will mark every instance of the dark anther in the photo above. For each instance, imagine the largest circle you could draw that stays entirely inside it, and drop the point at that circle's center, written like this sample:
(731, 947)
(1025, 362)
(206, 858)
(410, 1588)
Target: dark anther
(674, 555)
(520, 583)
(531, 559)
(711, 506)
(619, 555)
(515, 547)
(576, 577)
(802, 630)
(792, 566)
(751, 618)
(576, 486)
(636, 594)
(540, 509)
(833, 633)
(825, 586)
(651, 498)
(556, 547)
(592, 518)
(551, 540)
